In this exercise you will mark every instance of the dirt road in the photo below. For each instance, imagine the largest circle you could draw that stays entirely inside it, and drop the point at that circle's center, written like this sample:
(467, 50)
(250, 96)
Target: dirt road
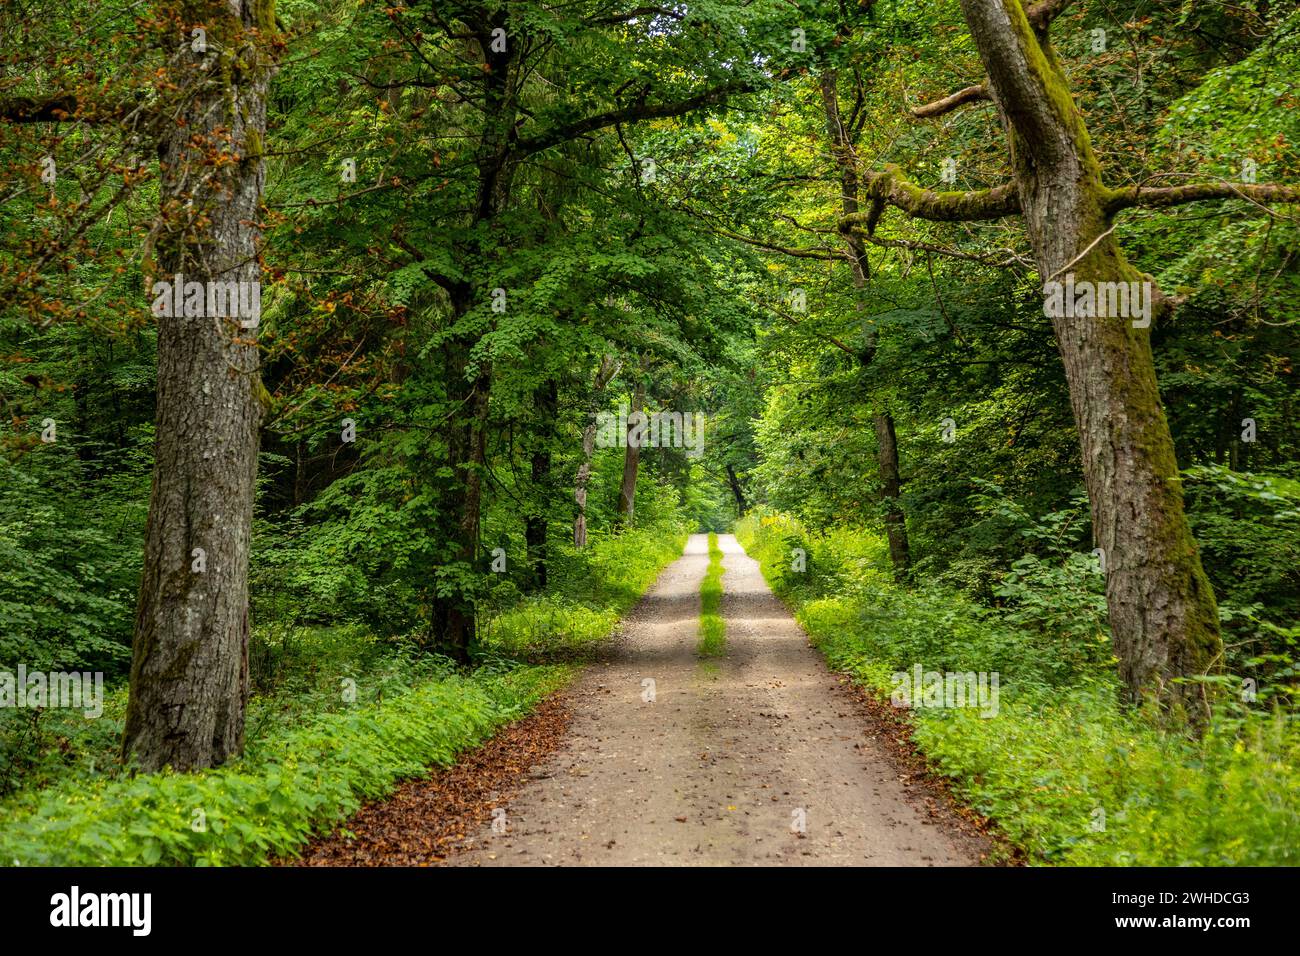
(758, 757)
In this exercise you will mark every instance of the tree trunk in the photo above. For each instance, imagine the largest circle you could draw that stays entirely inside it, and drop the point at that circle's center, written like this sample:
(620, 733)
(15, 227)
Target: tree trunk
(887, 467)
(547, 399)
(890, 488)
(459, 495)
(1163, 617)
(741, 505)
(632, 458)
(608, 369)
(189, 668)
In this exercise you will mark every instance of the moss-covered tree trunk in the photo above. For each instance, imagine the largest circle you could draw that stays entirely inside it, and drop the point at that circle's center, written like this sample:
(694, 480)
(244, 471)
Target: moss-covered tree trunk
(1162, 611)
(189, 668)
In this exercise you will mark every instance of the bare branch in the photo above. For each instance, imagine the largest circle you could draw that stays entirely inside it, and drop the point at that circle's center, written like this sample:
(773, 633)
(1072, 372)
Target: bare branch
(1011, 260)
(846, 349)
(971, 94)
(627, 114)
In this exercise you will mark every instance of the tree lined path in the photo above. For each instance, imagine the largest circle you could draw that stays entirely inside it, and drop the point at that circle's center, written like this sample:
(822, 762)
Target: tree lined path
(363, 365)
(731, 753)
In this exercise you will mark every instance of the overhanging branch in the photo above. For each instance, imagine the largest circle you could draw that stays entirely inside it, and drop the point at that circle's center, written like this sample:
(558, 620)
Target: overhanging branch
(63, 108)
(1158, 197)
(628, 114)
(889, 186)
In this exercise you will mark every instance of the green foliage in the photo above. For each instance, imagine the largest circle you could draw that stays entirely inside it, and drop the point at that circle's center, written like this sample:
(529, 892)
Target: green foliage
(1061, 759)
(67, 592)
(341, 714)
(594, 587)
(377, 308)
(286, 787)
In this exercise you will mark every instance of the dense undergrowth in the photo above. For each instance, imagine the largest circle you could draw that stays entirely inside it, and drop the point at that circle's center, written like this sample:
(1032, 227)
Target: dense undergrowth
(1069, 775)
(339, 717)
(589, 592)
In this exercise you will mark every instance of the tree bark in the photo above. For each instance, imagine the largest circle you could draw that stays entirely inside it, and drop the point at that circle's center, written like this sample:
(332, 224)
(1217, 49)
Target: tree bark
(887, 466)
(459, 492)
(1163, 616)
(631, 458)
(608, 369)
(189, 668)
(890, 488)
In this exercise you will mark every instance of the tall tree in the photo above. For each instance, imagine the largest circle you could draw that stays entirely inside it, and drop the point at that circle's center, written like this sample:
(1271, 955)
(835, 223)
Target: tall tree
(535, 522)
(189, 670)
(609, 367)
(1162, 611)
(529, 98)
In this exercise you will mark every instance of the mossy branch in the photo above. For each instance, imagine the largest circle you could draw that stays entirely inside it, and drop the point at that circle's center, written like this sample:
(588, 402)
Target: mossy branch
(890, 187)
(1130, 196)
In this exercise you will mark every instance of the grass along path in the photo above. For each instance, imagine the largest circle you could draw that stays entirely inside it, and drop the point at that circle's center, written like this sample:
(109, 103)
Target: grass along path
(713, 630)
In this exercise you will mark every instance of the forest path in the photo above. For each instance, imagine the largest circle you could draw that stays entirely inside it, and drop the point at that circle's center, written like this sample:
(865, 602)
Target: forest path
(729, 756)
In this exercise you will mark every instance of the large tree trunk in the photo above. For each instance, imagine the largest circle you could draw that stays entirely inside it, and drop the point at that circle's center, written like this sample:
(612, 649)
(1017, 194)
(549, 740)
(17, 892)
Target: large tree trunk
(546, 399)
(841, 145)
(189, 668)
(632, 458)
(608, 369)
(1163, 617)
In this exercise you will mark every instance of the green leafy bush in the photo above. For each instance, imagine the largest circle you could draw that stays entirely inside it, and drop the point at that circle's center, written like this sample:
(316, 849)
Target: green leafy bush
(591, 588)
(314, 751)
(67, 591)
(285, 787)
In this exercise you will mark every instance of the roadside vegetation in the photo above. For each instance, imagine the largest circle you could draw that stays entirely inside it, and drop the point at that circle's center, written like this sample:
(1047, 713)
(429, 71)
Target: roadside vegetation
(1067, 773)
